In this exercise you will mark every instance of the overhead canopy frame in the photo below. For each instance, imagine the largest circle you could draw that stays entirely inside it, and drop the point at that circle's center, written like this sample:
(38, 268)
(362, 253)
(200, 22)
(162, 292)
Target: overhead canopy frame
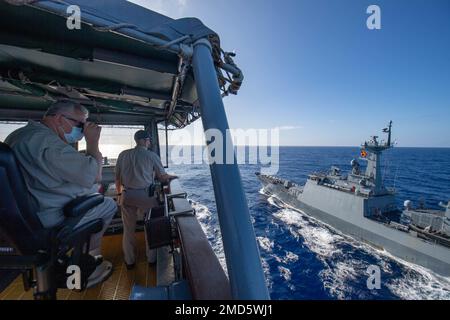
(126, 64)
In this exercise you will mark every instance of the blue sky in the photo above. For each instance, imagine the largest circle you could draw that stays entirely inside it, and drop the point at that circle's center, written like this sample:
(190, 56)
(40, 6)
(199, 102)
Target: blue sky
(314, 68)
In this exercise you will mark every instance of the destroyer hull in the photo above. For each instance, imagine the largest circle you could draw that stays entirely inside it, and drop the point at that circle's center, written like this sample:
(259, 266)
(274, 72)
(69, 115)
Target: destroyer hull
(344, 212)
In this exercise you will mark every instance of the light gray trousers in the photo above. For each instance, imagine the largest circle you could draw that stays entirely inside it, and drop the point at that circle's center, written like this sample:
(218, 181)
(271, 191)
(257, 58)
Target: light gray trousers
(104, 211)
(135, 205)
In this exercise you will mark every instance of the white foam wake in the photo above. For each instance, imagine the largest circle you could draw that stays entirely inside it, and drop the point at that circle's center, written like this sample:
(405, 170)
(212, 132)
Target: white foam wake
(419, 283)
(318, 239)
(212, 233)
(265, 243)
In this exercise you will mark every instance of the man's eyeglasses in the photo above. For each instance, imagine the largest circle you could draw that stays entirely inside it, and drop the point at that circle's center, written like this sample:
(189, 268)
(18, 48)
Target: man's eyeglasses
(78, 124)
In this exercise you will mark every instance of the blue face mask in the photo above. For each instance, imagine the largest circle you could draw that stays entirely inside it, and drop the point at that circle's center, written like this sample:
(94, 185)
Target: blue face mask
(75, 135)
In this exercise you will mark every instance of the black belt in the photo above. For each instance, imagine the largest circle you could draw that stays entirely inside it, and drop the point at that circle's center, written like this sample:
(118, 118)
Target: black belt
(151, 189)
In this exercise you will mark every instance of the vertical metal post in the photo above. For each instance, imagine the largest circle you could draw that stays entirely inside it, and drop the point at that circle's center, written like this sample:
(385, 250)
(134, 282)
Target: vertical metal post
(167, 145)
(241, 251)
(152, 129)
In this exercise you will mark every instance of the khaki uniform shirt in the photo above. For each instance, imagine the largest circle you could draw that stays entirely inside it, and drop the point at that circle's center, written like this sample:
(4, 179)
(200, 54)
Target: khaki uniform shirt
(54, 172)
(135, 167)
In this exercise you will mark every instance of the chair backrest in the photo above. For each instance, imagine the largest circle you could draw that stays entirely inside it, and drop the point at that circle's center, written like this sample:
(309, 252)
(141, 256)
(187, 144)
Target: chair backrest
(19, 222)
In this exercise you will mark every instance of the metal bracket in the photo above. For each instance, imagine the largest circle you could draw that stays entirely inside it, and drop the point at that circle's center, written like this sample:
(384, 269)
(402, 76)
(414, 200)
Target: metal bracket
(205, 42)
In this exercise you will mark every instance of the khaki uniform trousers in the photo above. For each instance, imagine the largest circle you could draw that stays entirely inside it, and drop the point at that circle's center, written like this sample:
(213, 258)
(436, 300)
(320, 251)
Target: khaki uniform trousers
(136, 204)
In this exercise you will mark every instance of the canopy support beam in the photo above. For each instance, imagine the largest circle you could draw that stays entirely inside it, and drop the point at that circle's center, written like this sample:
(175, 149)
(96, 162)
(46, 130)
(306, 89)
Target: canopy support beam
(242, 255)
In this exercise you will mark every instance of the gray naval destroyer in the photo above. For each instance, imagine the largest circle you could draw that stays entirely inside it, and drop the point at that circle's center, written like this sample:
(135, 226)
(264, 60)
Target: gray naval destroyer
(359, 204)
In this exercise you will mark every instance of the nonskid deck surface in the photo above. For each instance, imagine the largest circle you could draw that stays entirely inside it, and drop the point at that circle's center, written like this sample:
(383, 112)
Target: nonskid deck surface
(117, 287)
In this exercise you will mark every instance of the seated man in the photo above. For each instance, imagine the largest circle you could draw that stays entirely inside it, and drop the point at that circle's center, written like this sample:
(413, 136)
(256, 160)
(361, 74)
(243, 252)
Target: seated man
(134, 171)
(55, 173)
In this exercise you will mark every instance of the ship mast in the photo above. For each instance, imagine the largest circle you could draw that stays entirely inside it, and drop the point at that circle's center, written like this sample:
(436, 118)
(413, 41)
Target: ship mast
(389, 133)
(374, 150)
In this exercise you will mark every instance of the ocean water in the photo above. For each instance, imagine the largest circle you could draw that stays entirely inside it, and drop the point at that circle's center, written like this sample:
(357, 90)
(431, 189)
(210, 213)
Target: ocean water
(306, 259)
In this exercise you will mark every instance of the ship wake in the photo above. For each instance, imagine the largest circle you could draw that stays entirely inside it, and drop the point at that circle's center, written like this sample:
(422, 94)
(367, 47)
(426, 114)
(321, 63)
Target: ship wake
(211, 231)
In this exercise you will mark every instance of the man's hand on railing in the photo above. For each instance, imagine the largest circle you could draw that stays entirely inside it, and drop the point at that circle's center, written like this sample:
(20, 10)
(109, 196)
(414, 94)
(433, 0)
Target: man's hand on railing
(166, 178)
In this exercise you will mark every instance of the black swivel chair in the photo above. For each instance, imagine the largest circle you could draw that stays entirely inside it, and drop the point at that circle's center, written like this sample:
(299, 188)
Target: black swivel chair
(41, 255)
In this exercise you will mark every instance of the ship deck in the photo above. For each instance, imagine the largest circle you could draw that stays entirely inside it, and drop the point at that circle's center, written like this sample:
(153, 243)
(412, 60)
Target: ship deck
(117, 287)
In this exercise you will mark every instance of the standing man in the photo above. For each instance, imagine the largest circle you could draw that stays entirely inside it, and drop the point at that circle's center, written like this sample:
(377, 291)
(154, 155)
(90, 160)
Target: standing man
(135, 170)
(55, 173)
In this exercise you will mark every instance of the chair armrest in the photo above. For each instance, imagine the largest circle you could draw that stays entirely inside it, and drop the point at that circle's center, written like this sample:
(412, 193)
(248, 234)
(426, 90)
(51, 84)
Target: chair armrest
(79, 206)
(81, 234)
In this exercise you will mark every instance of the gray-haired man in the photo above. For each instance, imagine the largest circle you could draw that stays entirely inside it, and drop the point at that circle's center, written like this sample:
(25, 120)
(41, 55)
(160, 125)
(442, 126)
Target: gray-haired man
(55, 173)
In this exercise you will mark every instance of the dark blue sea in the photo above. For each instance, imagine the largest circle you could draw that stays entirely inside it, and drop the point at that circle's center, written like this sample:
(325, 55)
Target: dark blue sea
(305, 259)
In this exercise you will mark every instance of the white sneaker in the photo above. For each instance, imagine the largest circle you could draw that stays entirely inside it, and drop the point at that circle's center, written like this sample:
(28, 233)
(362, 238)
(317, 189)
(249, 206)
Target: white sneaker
(100, 274)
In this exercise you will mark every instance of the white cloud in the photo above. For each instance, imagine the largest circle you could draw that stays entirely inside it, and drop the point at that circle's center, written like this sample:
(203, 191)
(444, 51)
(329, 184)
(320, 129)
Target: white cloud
(172, 8)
